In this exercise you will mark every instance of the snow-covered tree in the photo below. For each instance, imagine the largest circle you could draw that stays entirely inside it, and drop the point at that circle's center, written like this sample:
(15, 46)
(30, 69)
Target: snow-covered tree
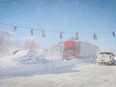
(31, 44)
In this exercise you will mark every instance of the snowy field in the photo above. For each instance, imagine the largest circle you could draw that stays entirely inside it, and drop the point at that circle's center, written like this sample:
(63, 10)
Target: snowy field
(27, 63)
(29, 69)
(93, 76)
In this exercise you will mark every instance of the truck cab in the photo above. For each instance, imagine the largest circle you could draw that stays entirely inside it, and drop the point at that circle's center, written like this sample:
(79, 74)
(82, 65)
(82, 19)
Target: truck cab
(70, 50)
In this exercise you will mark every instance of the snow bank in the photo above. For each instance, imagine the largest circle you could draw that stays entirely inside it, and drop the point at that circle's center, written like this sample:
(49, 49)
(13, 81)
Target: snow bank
(29, 62)
(21, 57)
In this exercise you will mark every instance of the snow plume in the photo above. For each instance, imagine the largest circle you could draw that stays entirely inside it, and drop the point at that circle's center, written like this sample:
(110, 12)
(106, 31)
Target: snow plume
(5, 34)
(9, 43)
(86, 49)
(31, 43)
(5, 42)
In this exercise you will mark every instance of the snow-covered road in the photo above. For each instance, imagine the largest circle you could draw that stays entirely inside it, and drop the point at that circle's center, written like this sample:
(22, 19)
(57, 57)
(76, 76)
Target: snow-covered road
(92, 76)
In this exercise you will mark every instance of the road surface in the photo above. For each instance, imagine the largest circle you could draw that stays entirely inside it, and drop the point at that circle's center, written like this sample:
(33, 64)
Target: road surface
(92, 76)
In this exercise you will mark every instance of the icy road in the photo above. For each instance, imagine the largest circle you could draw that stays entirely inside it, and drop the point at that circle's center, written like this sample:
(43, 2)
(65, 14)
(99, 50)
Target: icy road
(92, 76)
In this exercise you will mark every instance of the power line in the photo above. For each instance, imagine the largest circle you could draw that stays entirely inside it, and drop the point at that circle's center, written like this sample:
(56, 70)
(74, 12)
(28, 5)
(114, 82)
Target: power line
(60, 32)
(50, 14)
(53, 13)
(7, 1)
(29, 10)
(29, 28)
(18, 26)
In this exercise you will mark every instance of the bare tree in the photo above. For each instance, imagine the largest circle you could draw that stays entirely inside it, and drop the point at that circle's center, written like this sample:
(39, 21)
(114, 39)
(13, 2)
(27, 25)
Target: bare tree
(31, 44)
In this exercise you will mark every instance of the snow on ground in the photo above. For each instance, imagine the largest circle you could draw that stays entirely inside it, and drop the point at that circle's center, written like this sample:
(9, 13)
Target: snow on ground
(27, 68)
(29, 62)
(91, 76)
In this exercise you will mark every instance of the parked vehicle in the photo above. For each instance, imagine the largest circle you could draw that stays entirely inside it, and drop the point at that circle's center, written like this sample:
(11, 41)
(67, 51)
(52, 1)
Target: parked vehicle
(73, 49)
(105, 58)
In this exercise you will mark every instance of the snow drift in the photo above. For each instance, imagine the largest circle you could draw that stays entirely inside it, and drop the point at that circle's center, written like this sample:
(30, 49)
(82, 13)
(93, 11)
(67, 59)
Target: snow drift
(29, 62)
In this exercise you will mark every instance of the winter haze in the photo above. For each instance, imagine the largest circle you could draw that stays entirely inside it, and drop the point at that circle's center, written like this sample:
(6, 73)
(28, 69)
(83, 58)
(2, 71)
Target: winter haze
(57, 43)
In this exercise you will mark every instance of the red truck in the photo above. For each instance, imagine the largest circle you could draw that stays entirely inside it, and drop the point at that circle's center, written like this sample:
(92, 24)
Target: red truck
(71, 49)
